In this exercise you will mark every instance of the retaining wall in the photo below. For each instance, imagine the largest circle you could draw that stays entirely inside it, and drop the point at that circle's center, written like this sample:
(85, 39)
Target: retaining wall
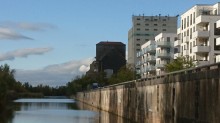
(188, 96)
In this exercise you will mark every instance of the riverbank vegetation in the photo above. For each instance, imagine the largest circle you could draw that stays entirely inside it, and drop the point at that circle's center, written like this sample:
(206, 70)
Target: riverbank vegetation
(84, 82)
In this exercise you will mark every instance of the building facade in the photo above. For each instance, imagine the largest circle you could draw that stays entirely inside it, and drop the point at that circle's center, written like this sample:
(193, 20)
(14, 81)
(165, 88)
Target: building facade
(156, 53)
(198, 34)
(165, 50)
(110, 56)
(145, 28)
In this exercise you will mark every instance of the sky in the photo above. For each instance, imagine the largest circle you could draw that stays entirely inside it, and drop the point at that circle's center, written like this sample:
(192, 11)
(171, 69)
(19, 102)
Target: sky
(51, 42)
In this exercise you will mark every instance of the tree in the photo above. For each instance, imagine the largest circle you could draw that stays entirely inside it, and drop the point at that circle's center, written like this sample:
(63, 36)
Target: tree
(180, 63)
(124, 74)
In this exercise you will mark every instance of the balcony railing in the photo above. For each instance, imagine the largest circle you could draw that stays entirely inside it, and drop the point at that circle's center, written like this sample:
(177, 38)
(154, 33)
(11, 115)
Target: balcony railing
(164, 55)
(151, 58)
(177, 43)
(151, 48)
(201, 49)
(185, 39)
(164, 44)
(202, 19)
(204, 34)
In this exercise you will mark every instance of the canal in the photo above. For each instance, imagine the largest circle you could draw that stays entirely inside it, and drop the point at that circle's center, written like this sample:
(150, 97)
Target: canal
(56, 110)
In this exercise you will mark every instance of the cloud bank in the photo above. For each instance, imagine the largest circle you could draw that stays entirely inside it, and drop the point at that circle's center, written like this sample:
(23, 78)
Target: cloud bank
(55, 75)
(28, 26)
(23, 53)
(9, 34)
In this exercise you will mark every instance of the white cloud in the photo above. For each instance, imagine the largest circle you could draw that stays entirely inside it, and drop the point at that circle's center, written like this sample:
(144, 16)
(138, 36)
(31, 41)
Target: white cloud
(55, 75)
(23, 53)
(84, 68)
(28, 26)
(9, 34)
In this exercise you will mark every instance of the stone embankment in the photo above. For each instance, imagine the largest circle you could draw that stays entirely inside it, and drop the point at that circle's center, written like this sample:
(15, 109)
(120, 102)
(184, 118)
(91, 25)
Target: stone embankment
(188, 96)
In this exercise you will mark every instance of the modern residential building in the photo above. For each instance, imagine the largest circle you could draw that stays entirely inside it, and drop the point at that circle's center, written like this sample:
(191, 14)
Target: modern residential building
(165, 50)
(154, 54)
(145, 28)
(148, 59)
(198, 34)
(110, 56)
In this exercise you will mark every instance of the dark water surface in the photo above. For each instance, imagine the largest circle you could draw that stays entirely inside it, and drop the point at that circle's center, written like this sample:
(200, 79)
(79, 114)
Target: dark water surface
(49, 110)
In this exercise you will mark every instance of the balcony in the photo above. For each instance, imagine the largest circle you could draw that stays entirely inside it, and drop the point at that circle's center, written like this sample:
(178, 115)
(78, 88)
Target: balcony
(160, 66)
(163, 44)
(151, 59)
(203, 34)
(177, 43)
(201, 62)
(186, 39)
(163, 55)
(203, 19)
(151, 49)
(151, 68)
(185, 52)
(201, 49)
(177, 55)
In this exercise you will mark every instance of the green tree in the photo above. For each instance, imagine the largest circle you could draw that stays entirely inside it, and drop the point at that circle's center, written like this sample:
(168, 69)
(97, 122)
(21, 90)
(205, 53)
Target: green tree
(180, 63)
(124, 74)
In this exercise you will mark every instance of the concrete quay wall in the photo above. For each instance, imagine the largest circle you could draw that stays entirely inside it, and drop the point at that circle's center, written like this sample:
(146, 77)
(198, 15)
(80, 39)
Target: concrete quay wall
(188, 96)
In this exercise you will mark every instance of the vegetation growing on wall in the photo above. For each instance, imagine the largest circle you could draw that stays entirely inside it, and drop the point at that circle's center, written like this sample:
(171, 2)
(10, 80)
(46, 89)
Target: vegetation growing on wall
(180, 63)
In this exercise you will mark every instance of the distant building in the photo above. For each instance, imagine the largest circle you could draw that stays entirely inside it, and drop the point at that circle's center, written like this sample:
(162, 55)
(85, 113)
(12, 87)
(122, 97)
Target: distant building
(145, 28)
(93, 71)
(110, 56)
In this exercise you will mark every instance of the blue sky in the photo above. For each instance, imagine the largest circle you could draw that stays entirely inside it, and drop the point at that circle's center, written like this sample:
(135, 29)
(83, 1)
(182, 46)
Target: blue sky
(52, 41)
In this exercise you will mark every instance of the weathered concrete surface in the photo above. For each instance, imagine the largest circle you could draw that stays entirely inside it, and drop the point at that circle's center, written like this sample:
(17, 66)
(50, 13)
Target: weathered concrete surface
(191, 96)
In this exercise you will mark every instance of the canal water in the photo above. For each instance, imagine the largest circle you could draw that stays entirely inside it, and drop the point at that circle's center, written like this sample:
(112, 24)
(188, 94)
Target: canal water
(56, 110)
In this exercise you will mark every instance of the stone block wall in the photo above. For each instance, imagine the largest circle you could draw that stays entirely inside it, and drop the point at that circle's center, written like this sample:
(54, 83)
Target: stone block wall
(188, 96)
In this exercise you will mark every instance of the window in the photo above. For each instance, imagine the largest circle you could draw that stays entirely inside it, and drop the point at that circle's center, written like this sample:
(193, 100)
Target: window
(164, 19)
(184, 23)
(138, 45)
(216, 47)
(138, 24)
(146, 39)
(164, 30)
(187, 21)
(194, 17)
(191, 19)
(138, 29)
(155, 19)
(155, 24)
(155, 29)
(146, 29)
(164, 24)
(146, 24)
(146, 19)
(168, 38)
(138, 39)
(138, 19)
(216, 30)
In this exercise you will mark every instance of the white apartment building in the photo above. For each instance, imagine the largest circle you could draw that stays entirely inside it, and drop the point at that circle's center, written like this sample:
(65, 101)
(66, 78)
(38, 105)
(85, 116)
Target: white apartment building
(198, 34)
(164, 51)
(155, 53)
(145, 28)
(148, 59)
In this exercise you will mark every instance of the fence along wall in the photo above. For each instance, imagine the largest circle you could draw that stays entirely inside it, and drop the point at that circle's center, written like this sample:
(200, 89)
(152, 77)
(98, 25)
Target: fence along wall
(188, 96)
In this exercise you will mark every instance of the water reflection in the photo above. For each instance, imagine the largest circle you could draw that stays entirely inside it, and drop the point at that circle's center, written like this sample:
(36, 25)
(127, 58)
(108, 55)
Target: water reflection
(104, 117)
(55, 111)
